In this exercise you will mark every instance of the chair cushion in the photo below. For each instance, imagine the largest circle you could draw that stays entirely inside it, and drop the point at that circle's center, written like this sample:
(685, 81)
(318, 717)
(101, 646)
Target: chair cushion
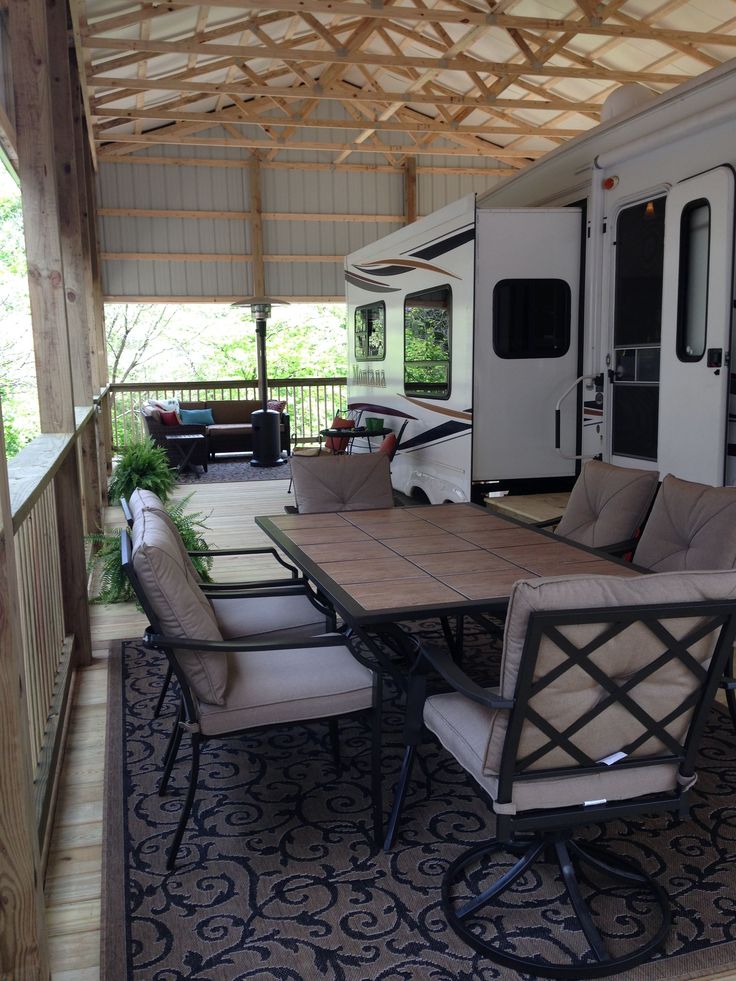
(607, 504)
(462, 727)
(342, 483)
(146, 500)
(692, 526)
(230, 429)
(289, 685)
(277, 619)
(181, 608)
(575, 691)
(233, 411)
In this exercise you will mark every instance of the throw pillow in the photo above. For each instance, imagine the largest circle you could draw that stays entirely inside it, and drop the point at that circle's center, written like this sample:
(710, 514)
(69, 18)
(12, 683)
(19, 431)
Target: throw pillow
(335, 443)
(168, 418)
(276, 405)
(168, 405)
(196, 417)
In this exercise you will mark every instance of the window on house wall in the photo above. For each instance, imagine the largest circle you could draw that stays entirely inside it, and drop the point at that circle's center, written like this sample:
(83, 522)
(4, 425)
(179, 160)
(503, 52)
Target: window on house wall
(531, 318)
(370, 332)
(427, 329)
(692, 292)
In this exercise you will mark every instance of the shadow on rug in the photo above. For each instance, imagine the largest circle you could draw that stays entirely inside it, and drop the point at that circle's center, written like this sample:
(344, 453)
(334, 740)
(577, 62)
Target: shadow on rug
(278, 879)
(235, 468)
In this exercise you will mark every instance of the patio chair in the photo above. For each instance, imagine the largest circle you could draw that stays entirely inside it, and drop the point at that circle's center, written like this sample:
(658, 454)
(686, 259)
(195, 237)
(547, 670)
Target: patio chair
(231, 687)
(293, 612)
(390, 444)
(692, 526)
(605, 688)
(356, 482)
(607, 506)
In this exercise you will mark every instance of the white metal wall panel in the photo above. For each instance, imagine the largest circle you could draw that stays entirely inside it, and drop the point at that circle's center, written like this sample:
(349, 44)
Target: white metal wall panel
(184, 187)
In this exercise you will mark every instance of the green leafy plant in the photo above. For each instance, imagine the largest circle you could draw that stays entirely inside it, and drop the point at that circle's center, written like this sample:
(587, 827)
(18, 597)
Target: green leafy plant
(142, 464)
(114, 586)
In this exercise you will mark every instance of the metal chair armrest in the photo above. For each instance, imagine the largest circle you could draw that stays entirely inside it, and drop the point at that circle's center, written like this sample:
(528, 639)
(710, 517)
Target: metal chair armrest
(260, 550)
(443, 663)
(547, 523)
(237, 646)
(620, 548)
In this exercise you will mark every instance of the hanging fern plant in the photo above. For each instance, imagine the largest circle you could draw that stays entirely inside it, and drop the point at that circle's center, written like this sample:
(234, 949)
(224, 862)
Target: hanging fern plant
(142, 464)
(113, 585)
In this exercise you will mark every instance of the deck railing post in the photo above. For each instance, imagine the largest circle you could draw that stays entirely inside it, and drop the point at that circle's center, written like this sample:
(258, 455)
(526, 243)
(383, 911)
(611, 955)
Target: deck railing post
(71, 555)
(23, 935)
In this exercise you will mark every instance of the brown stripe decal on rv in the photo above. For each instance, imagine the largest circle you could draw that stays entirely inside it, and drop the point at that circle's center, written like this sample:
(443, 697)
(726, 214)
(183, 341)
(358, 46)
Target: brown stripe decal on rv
(433, 407)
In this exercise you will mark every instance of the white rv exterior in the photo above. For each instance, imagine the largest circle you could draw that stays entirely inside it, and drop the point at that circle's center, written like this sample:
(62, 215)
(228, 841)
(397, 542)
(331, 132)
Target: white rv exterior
(632, 365)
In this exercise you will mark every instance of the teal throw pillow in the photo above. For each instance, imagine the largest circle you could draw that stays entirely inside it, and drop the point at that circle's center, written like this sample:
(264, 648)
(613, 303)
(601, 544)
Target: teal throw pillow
(196, 417)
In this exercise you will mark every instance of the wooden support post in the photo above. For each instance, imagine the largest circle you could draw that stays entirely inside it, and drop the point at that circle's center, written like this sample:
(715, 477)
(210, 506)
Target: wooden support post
(41, 214)
(410, 190)
(256, 226)
(37, 168)
(68, 496)
(23, 940)
(91, 488)
(77, 274)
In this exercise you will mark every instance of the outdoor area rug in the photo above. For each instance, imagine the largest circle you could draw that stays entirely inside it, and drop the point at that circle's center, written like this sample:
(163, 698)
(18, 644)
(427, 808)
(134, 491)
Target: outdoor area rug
(278, 878)
(235, 468)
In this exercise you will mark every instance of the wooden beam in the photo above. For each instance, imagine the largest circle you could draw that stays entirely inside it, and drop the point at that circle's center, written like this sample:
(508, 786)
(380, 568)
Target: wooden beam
(77, 277)
(245, 215)
(410, 190)
(507, 127)
(468, 17)
(72, 562)
(8, 138)
(481, 148)
(170, 298)
(346, 94)
(226, 163)
(460, 63)
(23, 935)
(212, 257)
(79, 48)
(34, 120)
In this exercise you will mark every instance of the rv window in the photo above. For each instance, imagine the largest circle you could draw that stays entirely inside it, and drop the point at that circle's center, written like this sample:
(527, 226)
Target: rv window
(370, 332)
(531, 318)
(427, 323)
(692, 291)
(639, 262)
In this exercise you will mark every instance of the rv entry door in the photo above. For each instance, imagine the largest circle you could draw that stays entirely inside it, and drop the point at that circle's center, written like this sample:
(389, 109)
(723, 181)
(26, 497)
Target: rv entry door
(697, 305)
(526, 341)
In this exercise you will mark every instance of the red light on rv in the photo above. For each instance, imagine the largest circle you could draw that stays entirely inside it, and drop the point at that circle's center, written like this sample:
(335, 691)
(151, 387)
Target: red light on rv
(609, 183)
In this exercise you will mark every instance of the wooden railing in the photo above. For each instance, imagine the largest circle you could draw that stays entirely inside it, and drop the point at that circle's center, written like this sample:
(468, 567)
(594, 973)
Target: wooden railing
(50, 518)
(312, 403)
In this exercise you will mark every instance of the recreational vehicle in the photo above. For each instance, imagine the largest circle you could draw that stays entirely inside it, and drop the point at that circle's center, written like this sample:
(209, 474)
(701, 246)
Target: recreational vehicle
(581, 309)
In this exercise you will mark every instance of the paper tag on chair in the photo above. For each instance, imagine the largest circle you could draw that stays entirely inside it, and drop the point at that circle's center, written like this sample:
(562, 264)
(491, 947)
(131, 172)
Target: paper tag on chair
(613, 758)
(590, 803)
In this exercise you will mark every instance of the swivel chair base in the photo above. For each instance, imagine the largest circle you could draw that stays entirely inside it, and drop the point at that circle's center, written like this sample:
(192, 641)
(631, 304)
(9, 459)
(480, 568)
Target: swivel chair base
(488, 936)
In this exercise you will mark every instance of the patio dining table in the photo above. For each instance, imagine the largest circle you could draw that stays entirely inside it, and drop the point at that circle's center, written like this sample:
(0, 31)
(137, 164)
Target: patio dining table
(380, 567)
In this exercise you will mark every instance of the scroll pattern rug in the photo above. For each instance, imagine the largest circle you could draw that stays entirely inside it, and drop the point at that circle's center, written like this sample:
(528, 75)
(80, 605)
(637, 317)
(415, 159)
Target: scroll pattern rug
(231, 469)
(279, 880)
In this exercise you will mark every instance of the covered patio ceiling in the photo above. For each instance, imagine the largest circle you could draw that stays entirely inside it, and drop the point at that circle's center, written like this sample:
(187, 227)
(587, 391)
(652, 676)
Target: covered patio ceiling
(508, 80)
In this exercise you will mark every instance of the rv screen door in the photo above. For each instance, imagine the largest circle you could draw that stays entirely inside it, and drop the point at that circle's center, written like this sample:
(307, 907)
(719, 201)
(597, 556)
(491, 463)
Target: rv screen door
(696, 327)
(526, 342)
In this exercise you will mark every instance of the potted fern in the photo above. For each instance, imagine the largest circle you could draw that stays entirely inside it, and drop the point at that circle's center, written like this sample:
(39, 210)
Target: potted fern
(113, 585)
(142, 464)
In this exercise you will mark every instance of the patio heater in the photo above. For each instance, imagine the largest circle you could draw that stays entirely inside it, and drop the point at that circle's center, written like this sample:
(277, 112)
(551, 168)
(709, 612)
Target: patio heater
(266, 422)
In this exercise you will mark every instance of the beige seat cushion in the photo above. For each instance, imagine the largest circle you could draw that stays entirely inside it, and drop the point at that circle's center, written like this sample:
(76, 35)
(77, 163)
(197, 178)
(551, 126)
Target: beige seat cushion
(692, 526)
(607, 504)
(180, 606)
(267, 687)
(230, 429)
(352, 482)
(145, 500)
(477, 735)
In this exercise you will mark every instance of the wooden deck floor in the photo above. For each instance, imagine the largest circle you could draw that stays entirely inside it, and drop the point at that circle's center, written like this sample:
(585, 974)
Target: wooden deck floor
(74, 868)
